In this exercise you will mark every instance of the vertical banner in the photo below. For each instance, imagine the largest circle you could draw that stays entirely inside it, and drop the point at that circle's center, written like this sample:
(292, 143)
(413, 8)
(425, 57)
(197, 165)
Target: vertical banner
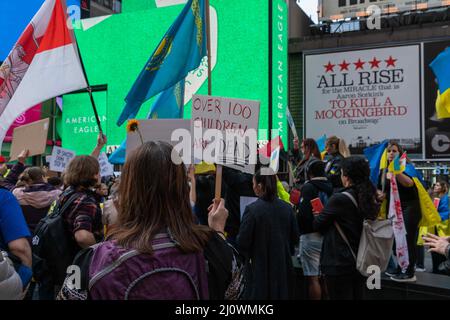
(365, 96)
(280, 68)
(437, 131)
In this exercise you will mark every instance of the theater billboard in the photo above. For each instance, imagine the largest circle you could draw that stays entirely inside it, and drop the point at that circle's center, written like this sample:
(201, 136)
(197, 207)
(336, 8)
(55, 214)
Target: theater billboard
(365, 96)
(341, 9)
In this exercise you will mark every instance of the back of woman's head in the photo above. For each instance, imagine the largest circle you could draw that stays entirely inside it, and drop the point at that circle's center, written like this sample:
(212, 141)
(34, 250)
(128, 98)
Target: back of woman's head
(81, 172)
(357, 170)
(36, 175)
(310, 149)
(153, 197)
(268, 185)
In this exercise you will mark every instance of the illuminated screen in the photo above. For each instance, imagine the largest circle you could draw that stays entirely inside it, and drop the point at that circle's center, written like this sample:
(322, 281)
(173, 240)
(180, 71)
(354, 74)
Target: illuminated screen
(115, 50)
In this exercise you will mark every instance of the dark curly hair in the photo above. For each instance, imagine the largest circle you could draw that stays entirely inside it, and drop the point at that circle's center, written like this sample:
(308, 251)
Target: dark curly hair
(357, 169)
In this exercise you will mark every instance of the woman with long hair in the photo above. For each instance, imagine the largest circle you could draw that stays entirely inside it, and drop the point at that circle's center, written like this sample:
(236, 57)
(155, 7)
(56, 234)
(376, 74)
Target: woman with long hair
(310, 150)
(267, 237)
(348, 209)
(411, 211)
(440, 192)
(336, 150)
(155, 250)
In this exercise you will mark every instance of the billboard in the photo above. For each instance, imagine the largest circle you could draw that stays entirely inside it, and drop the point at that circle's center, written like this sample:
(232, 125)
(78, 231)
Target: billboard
(365, 96)
(437, 132)
(341, 9)
(249, 61)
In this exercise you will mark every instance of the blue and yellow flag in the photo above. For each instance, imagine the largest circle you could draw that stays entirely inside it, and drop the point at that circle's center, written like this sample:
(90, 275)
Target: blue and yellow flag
(321, 145)
(377, 157)
(441, 69)
(180, 51)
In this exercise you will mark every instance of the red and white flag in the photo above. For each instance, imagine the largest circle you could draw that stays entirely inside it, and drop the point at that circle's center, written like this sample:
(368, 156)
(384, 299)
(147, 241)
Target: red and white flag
(43, 64)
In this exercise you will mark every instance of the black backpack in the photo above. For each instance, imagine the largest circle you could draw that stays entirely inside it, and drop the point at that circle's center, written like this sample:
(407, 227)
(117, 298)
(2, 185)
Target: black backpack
(53, 247)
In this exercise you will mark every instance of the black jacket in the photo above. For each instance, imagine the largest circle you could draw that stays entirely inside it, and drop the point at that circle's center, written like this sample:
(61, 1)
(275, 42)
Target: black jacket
(237, 184)
(267, 239)
(333, 170)
(309, 191)
(336, 258)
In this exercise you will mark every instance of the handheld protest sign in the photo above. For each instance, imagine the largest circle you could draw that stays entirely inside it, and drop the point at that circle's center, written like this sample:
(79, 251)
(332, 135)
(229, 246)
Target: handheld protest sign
(60, 158)
(156, 130)
(32, 136)
(225, 131)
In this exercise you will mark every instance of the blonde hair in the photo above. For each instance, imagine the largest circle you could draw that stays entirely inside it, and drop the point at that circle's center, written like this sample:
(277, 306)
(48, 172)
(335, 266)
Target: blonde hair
(340, 144)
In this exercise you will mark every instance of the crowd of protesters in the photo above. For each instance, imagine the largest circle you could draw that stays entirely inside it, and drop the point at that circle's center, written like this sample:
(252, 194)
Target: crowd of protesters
(157, 231)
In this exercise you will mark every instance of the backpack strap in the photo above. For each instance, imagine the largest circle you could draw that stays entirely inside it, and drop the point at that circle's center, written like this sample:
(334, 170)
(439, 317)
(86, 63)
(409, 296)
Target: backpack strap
(338, 227)
(351, 197)
(66, 204)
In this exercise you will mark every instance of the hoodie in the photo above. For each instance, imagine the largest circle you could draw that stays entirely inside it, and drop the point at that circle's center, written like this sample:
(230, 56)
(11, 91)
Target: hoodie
(310, 191)
(35, 201)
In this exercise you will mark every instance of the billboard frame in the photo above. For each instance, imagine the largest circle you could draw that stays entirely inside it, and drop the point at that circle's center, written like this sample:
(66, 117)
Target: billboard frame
(420, 156)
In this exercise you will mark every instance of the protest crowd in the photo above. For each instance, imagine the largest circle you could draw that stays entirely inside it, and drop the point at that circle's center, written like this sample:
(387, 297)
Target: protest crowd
(158, 232)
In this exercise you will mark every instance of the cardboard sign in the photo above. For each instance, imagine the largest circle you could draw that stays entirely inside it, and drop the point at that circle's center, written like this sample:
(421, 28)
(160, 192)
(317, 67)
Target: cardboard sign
(106, 168)
(156, 130)
(60, 158)
(236, 124)
(32, 136)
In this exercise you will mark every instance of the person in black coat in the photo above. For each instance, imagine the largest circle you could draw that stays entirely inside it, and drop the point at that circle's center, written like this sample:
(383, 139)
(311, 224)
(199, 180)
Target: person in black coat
(237, 185)
(316, 187)
(267, 238)
(338, 265)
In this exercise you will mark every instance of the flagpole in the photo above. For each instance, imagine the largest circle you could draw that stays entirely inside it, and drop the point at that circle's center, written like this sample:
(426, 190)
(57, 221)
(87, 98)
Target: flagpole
(89, 90)
(218, 187)
(208, 45)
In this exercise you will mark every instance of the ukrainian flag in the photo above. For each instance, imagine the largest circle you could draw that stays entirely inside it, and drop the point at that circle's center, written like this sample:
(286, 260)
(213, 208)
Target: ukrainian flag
(377, 157)
(180, 51)
(321, 145)
(441, 69)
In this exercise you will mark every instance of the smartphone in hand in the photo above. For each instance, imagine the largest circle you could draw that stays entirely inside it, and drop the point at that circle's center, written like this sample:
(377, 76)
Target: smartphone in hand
(317, 205)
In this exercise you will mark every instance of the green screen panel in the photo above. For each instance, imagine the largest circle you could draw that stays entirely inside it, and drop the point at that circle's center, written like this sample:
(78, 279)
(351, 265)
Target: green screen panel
(80, 130)
(115, 50)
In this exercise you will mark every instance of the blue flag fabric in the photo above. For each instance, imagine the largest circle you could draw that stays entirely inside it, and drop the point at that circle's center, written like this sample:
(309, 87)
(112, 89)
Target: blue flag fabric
(180, 51)
(373, 155)
(118, 156)
(321, 143)
(168, 105)
(441, 69)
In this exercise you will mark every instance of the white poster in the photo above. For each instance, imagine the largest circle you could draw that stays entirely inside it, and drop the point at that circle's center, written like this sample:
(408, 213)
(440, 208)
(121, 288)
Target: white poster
(60, 158)
(106, 168)
(365, 96)
(235, 123)
(156, 130)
